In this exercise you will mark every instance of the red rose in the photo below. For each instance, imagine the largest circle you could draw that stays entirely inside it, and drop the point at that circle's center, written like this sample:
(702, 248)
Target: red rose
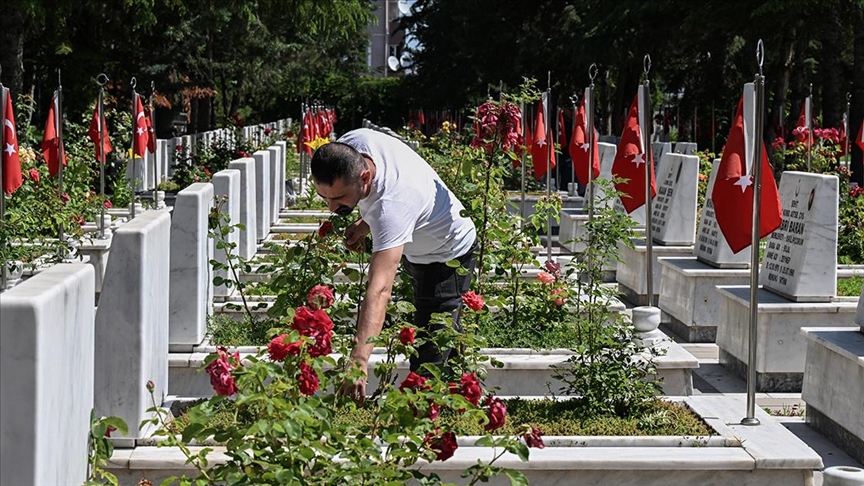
(34, 175)
(552, 267)
(406, 335)
(79, 220)
(220, 373)
(443, 445)
(317, 325)
(279, 349)
(413, 381)
(433, 412)
(473, 301)
(497, 413)
(546, 278)
(308, 379)
(320, 297)
(178, 148)
(560, 299)
(267, 131)
(325, 229)
(107, 204)
(469, 387)
(64, 197)
(205, 170)
(533, 438)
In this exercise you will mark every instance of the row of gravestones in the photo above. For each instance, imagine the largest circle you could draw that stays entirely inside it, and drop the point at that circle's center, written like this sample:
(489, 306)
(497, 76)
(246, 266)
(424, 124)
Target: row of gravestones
(805, 341)
(158, 166)
(59, 358)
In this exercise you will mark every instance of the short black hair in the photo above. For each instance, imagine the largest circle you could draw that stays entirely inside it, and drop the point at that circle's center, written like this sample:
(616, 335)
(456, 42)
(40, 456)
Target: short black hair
(335, 161)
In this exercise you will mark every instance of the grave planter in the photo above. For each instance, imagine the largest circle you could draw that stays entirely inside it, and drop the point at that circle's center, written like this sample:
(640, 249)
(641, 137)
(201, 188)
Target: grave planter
(765, 455)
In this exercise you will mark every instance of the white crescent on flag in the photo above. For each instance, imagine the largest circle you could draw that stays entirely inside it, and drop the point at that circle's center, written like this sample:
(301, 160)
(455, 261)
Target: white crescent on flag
(140, 115)
(11, 127)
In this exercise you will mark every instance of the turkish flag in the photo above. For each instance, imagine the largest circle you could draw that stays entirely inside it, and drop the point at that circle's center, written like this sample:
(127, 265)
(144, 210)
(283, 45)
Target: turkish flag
(859, 141)
(141, 137)
(52, 149)
(95, 127)
(579, 146)
(540, 146)
(151, 135)
(630, 163)
(733, 191)
(12, 179)
(805, 121)
(307, 134)
(843, 133)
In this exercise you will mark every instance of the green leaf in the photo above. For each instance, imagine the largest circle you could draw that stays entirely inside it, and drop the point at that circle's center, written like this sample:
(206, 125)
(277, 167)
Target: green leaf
(516, 478)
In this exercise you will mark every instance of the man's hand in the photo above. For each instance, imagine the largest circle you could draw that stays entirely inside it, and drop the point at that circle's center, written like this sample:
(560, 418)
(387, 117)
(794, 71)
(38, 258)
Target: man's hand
(355, 235)
(356, 390)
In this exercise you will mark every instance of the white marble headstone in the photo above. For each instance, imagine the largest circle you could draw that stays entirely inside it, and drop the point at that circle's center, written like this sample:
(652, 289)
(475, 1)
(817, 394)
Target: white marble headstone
(607, 157)
(248, 208)
(711, 247)
(162, 159)
(800, 260)
(136, 173)
(673, 211)
(283, 154)
(226, 184)
(638, 214)
(859, 312)
(132, 320)
(190, 265)
(686, 148)
(658, 150)
(263, 181)
(46, 376)
(274, 183)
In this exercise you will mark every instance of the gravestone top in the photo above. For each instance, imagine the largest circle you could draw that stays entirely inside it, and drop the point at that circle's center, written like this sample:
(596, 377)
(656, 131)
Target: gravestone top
(711, 247)
(687, 148)
(673, 212)
(800, 260)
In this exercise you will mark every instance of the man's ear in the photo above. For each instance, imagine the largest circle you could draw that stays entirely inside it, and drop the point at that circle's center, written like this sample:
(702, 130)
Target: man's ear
(365, 176)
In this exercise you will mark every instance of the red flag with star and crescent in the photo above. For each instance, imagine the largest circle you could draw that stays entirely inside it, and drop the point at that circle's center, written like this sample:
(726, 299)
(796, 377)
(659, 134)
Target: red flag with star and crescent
(540, 145)
(579, 146)
(141, 137)
(733, 191)
(630, 163)
(52, 149)
(151, 135)
(95, 127)
(12, 179)
(859, 141)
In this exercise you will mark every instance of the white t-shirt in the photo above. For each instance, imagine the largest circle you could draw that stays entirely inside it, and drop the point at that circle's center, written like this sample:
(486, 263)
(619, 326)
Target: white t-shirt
(408, 203)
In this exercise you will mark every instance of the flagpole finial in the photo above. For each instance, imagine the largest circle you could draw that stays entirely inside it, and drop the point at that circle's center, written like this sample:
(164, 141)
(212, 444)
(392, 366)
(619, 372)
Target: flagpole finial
(646, 64)
(848, 97)
(573, 99)
(592, 72)
(59, 83)
(134, 83)
(760, 55)
(102, 79)
(152, 87)
(811, 89)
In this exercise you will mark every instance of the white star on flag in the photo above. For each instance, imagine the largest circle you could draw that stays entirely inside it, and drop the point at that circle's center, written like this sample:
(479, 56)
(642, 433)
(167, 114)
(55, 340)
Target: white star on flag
(638, 159)
(10, 149)
(584, 146)
(140, 130)
(541, 142)
(744, 181)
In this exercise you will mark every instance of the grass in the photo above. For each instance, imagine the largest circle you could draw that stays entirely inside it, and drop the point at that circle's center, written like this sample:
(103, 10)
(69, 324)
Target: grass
(554, 418)
(849, 287)
(225, 330)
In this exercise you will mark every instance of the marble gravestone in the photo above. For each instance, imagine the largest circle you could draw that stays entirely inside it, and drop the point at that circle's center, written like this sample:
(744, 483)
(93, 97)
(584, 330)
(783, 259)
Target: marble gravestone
(163, 161)
(283, 157)
(248, 210)
(226, 185)
(673, 211)
(800, 261)
(189, 301)
(262, 194)
(274, 183)
(132, 321)
(136, 173)
(658, 150)
(686, 148)
(711, 246)
(46, 369)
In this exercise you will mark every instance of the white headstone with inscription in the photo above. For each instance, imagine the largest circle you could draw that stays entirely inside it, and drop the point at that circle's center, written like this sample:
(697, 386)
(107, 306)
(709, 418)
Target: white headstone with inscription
(673, 213)
(686, 148)
(711, 247)
(800, 260)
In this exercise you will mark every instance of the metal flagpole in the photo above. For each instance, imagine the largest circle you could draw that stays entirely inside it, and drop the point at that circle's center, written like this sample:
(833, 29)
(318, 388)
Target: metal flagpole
(153, 134)
(756, 169)
(552, 143)
(101, 80)
(589, 137)
(549, 151)
(847, 127)
(58, 124)
(572, 187)
(3, 96)
(134, 83)
(522, 167)
(645, 122)
(808, 110)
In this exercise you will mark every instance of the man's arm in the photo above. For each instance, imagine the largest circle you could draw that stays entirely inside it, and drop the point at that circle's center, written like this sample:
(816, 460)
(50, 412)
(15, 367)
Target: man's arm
(382, 273)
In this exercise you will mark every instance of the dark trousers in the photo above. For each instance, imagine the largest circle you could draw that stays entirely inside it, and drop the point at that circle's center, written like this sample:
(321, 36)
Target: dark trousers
(437, 288)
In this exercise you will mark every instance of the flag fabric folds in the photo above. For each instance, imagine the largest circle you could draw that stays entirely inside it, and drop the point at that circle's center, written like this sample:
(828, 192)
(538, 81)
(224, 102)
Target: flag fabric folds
(151, 135)
(629, 163)
(562, 131)
(12, 179)
(95, 127)
(859, 140)
(579, 146)
(540, 153)
(141, 136)
(733, 191)
(52, 149)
